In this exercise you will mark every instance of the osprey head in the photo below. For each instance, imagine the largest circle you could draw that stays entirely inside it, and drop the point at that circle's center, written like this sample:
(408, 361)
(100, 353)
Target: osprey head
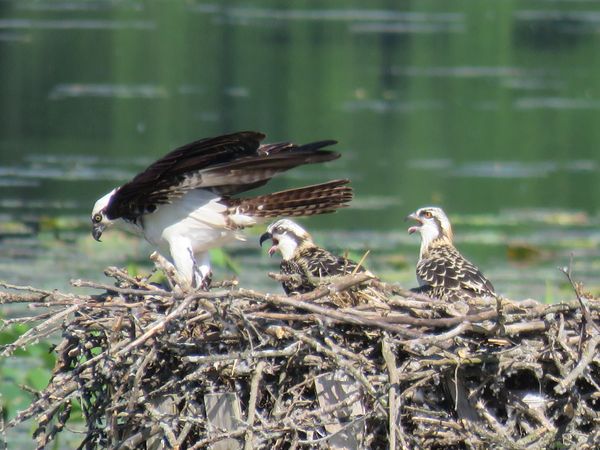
(99, 219)
(287, 236)
(432, 223)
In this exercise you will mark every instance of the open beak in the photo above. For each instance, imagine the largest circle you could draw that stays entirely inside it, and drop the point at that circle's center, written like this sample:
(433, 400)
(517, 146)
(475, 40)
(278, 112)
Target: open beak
(97, 230)
(414, 228)
(265, 237)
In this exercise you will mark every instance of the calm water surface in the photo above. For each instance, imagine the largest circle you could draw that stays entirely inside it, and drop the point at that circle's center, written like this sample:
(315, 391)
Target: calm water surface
(489, 109)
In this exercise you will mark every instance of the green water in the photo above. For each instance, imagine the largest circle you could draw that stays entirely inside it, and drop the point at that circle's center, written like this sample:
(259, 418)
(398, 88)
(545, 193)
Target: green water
(489, 109)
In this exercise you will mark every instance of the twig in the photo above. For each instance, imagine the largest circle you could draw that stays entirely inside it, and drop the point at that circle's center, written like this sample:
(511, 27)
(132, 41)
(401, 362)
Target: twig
(124, 291)
(249, 445)
(586, 359)
(167, 430)
(157, 327)
(121, 274)
(249, 354)
(36, 332)
(118, 357)
(301, 302)
(15, 287)
(173, 276)
(393, 408)
(589, 322)
(285, 278)
(342, 363)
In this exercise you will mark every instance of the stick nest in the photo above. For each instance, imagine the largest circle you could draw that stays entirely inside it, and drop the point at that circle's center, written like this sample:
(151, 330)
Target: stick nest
(156, 368)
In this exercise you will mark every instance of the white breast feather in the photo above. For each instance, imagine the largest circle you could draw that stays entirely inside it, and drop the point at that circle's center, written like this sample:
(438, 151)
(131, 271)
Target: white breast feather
(198, 216)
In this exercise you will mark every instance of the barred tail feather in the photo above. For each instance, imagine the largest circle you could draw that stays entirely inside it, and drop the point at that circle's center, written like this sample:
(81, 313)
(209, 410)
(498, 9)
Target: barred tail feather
(306, 201)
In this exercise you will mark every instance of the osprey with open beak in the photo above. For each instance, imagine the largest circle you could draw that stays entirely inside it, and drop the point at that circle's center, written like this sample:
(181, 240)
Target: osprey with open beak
(442, 271)
(302, 257)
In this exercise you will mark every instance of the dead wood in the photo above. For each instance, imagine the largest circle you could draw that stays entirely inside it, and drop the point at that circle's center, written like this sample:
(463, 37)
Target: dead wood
(236, 368)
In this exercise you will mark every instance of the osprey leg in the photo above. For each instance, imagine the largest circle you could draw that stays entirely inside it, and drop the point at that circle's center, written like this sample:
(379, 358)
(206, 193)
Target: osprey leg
(185, 261)
(202, 272)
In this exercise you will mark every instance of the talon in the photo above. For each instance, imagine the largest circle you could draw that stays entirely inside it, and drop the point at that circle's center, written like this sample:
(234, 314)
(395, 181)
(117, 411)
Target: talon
(206, 282)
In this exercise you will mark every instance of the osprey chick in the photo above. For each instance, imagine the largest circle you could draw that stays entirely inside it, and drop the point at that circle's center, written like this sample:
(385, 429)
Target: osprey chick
(302, 257)
(183, 203)
(442, 271)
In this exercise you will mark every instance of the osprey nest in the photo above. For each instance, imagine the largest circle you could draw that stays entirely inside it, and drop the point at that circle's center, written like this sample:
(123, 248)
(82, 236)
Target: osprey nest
(233, 368)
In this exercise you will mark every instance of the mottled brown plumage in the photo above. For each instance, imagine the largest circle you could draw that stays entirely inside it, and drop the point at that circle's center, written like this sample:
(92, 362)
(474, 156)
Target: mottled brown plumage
(309, 265)
(442, 271)
(449, 276)
(312, 264)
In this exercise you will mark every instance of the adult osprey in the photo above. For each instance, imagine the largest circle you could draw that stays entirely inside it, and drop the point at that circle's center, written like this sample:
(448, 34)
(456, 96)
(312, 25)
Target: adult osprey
(442, 271)
(184, 202)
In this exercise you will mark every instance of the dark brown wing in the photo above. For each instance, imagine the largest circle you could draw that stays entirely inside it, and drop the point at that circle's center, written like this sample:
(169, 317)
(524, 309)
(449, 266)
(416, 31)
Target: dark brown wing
(226, 164)
(252, 171)
(155, 185)
(446, 271)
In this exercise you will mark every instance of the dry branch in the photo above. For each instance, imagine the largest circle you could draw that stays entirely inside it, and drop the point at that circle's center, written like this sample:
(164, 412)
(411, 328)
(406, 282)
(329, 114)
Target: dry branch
(141, 360)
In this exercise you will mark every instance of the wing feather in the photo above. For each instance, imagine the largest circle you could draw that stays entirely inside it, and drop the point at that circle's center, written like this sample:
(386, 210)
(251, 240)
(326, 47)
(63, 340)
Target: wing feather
(320, 263)
(315, 262)
(302, 286)
(450, 275)
(227, 164)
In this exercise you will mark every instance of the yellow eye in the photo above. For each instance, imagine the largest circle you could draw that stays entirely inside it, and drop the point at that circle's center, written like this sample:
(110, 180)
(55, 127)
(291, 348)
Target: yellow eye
(427, 215)
(97, 218)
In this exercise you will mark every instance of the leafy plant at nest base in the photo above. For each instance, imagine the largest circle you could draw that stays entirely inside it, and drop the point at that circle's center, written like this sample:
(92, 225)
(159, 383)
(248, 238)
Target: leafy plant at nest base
(30, 367)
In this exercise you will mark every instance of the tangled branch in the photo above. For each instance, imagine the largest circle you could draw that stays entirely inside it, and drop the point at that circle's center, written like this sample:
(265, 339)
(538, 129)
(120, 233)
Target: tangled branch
(192, 368)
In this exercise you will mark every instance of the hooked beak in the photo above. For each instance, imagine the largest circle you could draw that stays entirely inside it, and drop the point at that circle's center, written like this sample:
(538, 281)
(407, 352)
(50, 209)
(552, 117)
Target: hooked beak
(414, 228)
(97, 230)
(265, 237)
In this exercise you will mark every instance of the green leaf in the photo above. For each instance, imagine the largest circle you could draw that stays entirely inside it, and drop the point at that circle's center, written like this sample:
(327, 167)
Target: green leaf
(38, 378)
(13, 399)
(220, 258)
(133, 269)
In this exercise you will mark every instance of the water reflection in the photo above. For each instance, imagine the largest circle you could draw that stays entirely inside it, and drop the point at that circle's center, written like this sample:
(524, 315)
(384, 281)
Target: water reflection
(62, 91)
(92, 5)
(503, 169)
(487, 109)
(556, 103)
(386, 106)
(75, 24)
(325, 15)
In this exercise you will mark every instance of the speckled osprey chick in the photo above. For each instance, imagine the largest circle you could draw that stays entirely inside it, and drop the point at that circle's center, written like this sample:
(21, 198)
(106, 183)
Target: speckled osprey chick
(442, 271)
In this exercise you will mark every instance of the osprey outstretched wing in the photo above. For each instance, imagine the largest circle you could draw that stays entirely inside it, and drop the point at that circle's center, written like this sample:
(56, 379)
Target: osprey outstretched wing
(185, 202)
(226, 165)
